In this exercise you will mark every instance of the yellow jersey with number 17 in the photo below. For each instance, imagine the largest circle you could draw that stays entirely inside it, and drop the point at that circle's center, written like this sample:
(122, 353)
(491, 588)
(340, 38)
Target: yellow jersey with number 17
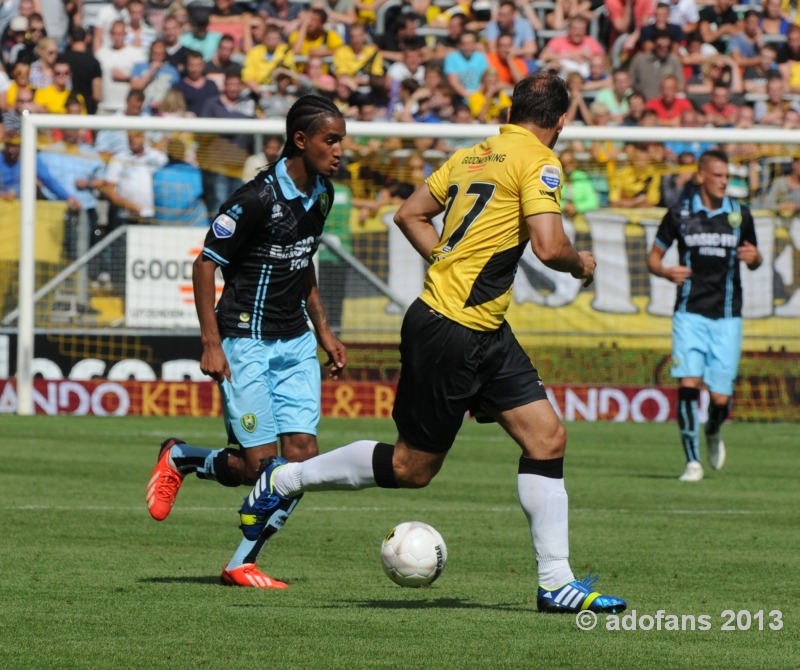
(487, 191)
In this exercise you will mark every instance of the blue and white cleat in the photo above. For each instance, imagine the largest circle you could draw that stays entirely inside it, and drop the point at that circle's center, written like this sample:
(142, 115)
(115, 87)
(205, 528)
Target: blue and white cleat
(577, 596)
(264, 510)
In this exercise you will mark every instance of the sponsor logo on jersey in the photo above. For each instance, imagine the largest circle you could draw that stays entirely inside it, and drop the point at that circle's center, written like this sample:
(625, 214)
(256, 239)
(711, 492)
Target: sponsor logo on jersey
(249, 422)
(278, 211)
(223, 226)
(551, 177)
(244, 317)
(734, 219)
(235, 212)
(482, 159)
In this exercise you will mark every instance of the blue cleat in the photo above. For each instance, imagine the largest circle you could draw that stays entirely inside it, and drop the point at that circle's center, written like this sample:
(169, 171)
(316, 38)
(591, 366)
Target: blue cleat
(576, 596)
(264, 511)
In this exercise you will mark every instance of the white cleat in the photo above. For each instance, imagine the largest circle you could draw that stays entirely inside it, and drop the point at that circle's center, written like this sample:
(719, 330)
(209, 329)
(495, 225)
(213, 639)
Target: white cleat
(692, 473)
(716, 451)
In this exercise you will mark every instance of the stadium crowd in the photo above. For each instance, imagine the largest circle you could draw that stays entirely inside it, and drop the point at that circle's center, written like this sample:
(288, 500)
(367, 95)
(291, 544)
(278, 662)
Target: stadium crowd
(627, 62)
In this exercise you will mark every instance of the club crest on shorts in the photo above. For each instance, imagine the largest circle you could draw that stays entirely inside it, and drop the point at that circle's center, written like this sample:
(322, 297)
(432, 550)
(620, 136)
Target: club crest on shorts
(249, 422)
(551, 177)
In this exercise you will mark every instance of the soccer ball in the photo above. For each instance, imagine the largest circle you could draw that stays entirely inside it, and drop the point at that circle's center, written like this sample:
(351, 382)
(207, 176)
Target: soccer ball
(413, 554)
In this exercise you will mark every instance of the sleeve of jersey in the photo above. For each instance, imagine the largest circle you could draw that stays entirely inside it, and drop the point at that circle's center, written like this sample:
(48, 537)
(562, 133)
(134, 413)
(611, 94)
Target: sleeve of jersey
(748, 227)
(439, 182)
(231, 229)
(665, 235)
(540, 187)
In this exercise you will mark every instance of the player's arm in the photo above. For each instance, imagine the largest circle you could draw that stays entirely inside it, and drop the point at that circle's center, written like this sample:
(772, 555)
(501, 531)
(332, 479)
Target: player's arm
(677, 274)
(665, 237)
(335, 348)
(213, 362)
(552, 246)
(415, 220)
(749, 254)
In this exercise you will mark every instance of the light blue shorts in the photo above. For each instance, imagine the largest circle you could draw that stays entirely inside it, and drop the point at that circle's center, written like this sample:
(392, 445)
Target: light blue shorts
(275, 389)
(707, 348)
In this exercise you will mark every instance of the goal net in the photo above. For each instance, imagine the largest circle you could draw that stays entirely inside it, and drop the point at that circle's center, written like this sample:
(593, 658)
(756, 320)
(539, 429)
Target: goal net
(97, 313)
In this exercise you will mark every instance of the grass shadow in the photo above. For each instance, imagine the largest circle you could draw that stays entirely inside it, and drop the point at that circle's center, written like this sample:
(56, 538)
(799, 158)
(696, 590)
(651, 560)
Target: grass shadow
(182, 579)
(437, 603)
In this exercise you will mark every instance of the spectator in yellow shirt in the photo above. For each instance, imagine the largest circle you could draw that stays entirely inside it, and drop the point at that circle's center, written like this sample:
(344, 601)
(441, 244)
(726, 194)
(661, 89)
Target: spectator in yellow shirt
(312, 38)
(487, 103)
(359, 59)
(638, 184)
(263, 59)
(53, 98)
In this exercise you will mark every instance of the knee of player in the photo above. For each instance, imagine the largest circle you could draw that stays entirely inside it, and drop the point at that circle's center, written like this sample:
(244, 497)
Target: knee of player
(298, 448)
(552, 444)
(413, 475)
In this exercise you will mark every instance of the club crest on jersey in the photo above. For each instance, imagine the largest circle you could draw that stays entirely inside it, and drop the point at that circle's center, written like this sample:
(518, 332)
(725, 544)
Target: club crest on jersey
(323, 203)
(249, 422)
(734, 219)
(223, 226)
(551, 177)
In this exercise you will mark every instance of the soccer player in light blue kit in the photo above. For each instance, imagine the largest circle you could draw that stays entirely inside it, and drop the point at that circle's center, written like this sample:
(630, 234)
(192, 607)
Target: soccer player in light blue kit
(257, 344)
(715, 233)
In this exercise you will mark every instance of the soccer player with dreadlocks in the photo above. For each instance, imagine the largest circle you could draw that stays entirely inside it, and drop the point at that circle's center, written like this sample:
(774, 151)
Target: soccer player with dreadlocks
(257, 344)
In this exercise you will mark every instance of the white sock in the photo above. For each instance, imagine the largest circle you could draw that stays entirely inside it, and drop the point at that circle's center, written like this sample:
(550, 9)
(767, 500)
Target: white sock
(544, 501)
(346, 468)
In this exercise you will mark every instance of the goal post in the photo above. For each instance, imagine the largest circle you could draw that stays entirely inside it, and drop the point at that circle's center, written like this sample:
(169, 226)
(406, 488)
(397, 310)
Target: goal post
(620, 311)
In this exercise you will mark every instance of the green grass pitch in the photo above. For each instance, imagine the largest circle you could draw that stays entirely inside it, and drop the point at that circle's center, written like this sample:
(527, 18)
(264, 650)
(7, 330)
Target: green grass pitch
(90, 581)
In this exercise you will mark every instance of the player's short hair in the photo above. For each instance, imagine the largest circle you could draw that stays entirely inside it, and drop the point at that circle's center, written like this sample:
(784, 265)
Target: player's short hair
(711, 155)
(541, 99)
(306, 115)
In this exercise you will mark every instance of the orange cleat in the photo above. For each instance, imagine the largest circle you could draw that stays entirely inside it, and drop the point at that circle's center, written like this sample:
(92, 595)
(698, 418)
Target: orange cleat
(162, 489)
(250, 576)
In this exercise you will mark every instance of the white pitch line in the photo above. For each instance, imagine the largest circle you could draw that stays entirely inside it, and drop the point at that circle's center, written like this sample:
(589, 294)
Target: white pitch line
(371, 510)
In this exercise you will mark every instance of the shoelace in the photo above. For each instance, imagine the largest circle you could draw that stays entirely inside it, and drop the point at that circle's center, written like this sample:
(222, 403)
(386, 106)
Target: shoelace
(588, 581)
(169, 481)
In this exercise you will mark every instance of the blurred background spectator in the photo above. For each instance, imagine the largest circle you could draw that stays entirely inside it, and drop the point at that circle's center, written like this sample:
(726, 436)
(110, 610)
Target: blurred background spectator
(642, 63)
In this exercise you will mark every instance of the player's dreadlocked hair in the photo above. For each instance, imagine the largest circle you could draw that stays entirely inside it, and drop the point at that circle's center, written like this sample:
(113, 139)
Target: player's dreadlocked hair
(305, 115)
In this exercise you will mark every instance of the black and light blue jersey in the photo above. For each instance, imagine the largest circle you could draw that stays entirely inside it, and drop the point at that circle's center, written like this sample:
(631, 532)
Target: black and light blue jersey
(264, 238)
(707, 243)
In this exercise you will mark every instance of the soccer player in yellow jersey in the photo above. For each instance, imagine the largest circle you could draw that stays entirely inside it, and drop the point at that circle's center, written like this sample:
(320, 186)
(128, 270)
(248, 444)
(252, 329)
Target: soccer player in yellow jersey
(457, 350)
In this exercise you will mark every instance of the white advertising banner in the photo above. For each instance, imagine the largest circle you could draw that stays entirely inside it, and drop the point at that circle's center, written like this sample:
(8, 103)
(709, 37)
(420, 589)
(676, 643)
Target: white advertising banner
(158, 286)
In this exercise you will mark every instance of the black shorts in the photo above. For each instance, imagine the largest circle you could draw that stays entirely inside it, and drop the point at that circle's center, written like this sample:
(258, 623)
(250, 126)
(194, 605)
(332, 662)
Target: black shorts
(448, 369)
